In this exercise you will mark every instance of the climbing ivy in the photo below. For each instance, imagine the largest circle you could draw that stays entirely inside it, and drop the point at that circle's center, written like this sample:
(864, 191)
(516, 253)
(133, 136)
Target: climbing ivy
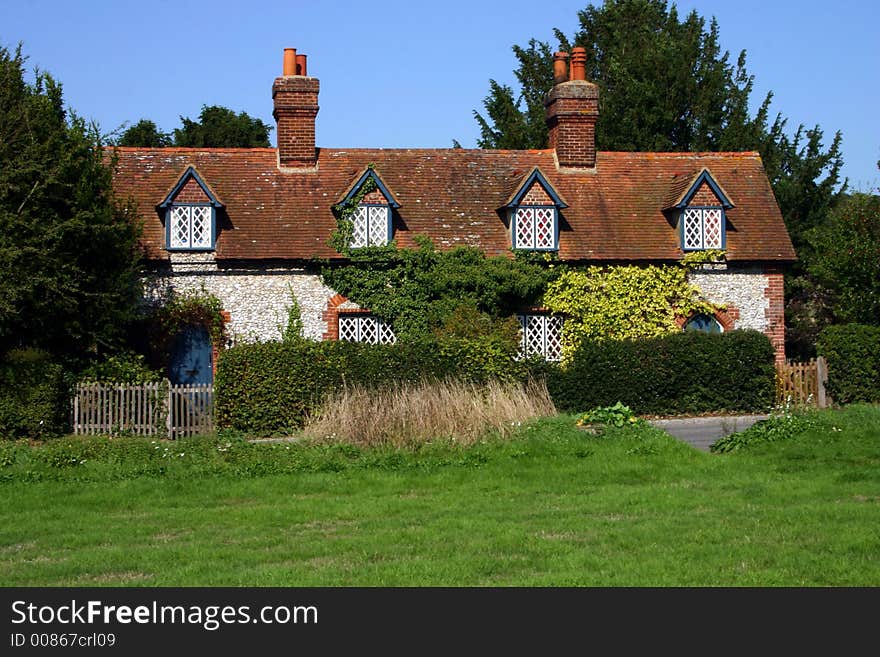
(417, 290)
(180, 309)
(622, 302)
(340, 239)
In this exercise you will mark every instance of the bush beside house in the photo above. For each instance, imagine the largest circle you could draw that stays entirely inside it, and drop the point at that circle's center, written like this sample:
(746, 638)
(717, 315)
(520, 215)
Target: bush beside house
(268, 387)
(34, 395)
(690, 372)
(853, 355)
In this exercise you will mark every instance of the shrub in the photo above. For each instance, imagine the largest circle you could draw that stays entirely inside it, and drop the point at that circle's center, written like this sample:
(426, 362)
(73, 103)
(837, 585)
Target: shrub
(618, 416)
(778, 427)
(128, 368)
(269, 387)
(687, 372)
(34, 395)
(853, 355)
(408, 415)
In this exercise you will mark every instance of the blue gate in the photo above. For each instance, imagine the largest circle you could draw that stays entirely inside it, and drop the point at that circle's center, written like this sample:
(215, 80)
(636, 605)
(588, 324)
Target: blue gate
(191, 360)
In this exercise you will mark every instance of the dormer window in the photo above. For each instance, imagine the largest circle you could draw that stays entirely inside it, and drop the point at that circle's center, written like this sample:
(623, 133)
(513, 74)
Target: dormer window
(702, 228)
(701, 206)
(372, 218)
(534, 214)
(191, 227)
(536, 228)
(371, 225)
(190, 210)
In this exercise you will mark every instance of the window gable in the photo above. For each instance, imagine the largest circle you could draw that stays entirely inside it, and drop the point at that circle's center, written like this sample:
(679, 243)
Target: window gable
(372, 218)
(190, 212)
(533, 210)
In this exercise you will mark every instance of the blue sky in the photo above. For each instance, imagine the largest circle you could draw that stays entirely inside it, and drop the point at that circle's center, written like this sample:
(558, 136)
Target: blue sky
(409, 74)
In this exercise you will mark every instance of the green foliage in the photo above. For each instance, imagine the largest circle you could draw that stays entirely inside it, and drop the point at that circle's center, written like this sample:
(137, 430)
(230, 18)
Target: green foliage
(621, 302)
(68, 251)
(693, 259)
(220, 127)
(144, 133)
(853, 355)
(271, 387)
(778, 427)
(124, 368)
(175, 311)
(293, 332)
(34, 395)
(618, 416)
(846, 261)
(466, 321)
(417, 289)
(684, 372)
(340, 239)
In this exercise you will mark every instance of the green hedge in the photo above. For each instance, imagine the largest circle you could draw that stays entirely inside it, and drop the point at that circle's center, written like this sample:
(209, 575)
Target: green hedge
(34, 395)
(853, 355)
(688, 372)
(264, 388)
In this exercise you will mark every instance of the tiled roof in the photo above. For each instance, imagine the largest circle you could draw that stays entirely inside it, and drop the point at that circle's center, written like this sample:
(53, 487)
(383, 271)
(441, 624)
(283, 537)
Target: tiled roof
(614, 212)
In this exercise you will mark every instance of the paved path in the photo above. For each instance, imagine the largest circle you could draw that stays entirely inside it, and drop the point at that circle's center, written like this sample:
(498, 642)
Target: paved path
(700, 432)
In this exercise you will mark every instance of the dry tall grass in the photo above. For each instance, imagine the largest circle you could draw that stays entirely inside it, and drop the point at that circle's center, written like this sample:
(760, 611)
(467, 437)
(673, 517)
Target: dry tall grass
(410, 415)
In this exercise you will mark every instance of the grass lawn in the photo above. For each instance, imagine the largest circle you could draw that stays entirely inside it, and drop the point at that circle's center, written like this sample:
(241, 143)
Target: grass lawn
(554, 506)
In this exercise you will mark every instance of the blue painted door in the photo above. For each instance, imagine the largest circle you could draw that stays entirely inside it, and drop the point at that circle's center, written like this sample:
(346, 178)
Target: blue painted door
(191, 356)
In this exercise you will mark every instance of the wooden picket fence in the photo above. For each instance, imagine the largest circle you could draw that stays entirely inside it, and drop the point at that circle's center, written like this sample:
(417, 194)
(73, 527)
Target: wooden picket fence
(803, 384)
(147, 409)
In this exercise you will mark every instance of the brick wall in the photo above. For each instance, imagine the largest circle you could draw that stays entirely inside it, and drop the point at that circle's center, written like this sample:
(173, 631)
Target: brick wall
(536, 196)
(572, 110)
(775, 311)
(705, 196)
(191, 192)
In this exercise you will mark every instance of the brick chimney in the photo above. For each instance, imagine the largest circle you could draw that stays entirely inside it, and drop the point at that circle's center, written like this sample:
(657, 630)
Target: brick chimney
(572, 107)
(296, 105)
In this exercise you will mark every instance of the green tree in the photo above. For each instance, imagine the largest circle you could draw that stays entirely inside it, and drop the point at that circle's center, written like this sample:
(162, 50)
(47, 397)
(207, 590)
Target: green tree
(666, 85)
(68, 251)
(144, 133)
(846, 266)
(220, 127)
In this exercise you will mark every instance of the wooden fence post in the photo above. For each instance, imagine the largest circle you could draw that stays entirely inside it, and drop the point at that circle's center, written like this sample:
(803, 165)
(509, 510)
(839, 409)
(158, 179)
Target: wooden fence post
(822, 377)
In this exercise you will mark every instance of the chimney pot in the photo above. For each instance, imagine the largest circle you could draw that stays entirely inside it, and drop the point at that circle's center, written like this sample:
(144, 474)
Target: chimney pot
(560, 67)
(301, 65)
(289, 62)
(579, 63)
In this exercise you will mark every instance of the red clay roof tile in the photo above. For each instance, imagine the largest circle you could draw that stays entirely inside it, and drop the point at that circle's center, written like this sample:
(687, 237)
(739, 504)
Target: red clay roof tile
(452, 195)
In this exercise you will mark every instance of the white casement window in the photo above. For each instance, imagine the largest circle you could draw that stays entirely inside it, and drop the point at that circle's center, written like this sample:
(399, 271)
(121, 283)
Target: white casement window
(365, 328)
(535, 228)
(371, 226)
(190, 227)
(540, 335)
(702, 228)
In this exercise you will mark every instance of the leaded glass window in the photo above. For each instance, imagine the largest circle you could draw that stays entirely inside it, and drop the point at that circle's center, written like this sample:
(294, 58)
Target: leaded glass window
(535, 228)
(190, 227)
(540, 335)
(371, 226)
(702, 228)
(365, 328)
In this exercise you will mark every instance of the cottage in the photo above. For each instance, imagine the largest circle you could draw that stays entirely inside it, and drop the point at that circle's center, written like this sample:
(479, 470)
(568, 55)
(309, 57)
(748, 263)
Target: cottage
(245, 223)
